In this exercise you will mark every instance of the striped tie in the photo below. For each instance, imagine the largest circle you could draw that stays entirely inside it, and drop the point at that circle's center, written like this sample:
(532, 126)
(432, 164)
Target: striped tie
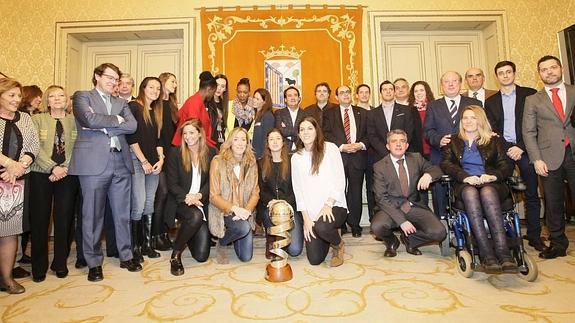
(453, 111)
(346, 126)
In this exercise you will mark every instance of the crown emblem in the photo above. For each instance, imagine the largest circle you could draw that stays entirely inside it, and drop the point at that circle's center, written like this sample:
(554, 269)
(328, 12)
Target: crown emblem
(281, 51)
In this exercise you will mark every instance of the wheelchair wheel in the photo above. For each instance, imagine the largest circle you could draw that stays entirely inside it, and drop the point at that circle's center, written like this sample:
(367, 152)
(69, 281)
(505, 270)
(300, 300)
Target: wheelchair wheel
(464, 264)
(531, 272)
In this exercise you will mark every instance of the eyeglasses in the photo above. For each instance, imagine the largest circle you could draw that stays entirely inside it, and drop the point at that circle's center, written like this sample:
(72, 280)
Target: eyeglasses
(111, 78)
(345, 92)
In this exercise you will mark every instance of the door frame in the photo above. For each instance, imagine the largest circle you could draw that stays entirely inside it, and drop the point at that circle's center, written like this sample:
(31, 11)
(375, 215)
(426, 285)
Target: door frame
(377, 17)
(186, 25)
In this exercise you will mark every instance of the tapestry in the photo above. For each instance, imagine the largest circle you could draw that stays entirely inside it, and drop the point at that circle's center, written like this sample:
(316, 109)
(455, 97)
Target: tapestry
(276, 48)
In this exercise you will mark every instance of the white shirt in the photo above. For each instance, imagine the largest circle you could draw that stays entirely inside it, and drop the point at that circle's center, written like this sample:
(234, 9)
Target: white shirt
(313, 191)
(457, 100)
(388, 114)
(293, 115)
(406, 102)
(562, 94)
(480, 95)
(196, 183)
(352, 127)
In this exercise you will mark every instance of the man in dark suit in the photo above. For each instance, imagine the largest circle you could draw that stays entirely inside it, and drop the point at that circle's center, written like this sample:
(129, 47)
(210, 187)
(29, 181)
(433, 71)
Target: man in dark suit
(504, 111)
(392, 115)
(398, 177)
(322, 94)
(549, 135)
(442, 120)
(103, 163)
(288, 119)
(346, 127)
(475, 78)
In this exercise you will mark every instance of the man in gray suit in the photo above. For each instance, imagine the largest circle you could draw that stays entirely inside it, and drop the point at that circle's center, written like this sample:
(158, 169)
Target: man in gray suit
(398, 177)
(548, 135)
(103, 163)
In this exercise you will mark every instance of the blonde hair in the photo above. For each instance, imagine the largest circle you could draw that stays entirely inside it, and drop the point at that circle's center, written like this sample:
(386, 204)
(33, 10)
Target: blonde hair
(44, 107)
(484, 131)
(226, 149)
(202, 147)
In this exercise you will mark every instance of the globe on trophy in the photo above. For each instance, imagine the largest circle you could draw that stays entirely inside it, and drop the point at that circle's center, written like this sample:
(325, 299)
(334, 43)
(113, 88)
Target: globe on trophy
(281, 214)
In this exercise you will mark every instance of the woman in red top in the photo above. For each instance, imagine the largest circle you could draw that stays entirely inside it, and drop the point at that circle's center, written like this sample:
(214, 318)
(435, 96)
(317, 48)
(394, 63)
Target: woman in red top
(420, 95)
(194, 108)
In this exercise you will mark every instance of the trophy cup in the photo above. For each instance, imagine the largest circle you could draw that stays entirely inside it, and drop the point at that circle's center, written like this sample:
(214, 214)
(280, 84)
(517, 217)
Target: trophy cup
(281, 214)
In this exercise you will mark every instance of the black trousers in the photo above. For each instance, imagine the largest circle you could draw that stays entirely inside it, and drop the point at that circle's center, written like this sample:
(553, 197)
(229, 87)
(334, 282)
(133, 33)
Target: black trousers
(554, 187)
(326, 234)
(193, 232)
(353, 193)
(61, 195)
(429, 228)
(532, 202)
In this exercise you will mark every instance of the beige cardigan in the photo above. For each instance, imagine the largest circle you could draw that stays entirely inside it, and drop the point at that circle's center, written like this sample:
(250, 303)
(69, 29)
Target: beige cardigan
(223, 182)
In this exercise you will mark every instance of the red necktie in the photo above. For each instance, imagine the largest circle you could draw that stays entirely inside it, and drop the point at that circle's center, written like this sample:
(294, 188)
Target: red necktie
(346, 125)
(559, 108)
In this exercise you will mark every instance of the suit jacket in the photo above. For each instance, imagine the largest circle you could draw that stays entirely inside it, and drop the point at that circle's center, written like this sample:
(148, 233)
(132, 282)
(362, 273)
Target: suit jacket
(179, 181)
(495, 115)
(438, 123)
(543, 132)
(334, 132)
(288, 129)
(314, 111)
(92, 147)
(387, 188)
(404, 117)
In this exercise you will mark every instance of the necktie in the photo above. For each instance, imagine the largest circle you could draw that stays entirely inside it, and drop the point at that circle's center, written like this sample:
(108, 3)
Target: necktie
(453, 111)
(559, 108)
(346, 125)
(405, 207)
(475, 95)
(114, 141)
(59, 151)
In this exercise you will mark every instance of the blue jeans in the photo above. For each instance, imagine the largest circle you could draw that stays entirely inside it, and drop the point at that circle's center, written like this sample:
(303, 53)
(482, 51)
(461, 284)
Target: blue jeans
(240, 233)
(143, 191)
(295, 247)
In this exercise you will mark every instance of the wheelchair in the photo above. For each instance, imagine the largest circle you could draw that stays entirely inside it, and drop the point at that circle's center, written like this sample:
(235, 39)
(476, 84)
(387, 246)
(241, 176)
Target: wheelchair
(460, 237)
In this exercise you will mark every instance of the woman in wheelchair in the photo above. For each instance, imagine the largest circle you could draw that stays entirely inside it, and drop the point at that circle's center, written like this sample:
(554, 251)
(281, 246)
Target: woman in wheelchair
(477, 161)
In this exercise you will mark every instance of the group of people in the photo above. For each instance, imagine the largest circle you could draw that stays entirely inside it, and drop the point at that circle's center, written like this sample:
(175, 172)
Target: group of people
(132, 165)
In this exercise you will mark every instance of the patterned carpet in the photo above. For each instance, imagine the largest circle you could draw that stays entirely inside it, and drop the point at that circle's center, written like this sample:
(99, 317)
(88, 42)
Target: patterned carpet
(367, 288)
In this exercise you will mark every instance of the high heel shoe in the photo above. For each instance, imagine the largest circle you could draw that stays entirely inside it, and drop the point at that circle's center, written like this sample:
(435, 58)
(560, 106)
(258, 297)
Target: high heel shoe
(15, 288)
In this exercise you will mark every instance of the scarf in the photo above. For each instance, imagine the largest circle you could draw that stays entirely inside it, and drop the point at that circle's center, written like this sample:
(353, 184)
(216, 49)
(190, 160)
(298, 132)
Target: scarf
(244, 115)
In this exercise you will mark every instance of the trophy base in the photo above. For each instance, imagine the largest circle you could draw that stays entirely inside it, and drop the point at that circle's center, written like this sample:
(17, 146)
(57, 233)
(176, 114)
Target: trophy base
(278, 275)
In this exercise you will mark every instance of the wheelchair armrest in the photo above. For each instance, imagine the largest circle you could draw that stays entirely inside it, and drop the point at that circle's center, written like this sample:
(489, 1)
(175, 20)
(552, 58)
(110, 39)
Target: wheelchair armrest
(446, 179)
(516, 183)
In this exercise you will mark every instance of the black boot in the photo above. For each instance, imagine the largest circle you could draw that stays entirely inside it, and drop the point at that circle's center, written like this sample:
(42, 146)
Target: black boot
(176, 267)
(166, 242)
(136, 230)
(147, 249)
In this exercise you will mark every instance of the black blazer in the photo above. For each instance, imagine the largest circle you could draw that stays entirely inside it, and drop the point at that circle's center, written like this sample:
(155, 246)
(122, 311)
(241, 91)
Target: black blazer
(317, 113)
(494, 158)
(284, 123)
(274, 187)
(403, 118)
(494, 111)
(179, 181)
(334, 132)
(438, 123)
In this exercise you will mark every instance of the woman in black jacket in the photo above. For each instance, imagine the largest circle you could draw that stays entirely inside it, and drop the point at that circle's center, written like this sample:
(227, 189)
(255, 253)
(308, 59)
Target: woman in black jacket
(188, 180)
(275, 185)
(477, 161)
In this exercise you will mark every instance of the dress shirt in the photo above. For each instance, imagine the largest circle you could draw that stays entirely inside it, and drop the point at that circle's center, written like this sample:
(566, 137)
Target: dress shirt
(396, 166)
(457, 100)
(114, 141)
(562, 95)
(508, 101)
(196, 183)
(480, 95)
(388, 113)
(352, 127)
(293, 115)
(471, 162)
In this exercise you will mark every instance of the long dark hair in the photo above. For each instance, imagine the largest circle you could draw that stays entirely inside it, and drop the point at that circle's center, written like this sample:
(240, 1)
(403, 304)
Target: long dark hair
(318, 149)
(267, 159)
(172, 97)
(267, 106)
(428, 93)
(156, 105)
